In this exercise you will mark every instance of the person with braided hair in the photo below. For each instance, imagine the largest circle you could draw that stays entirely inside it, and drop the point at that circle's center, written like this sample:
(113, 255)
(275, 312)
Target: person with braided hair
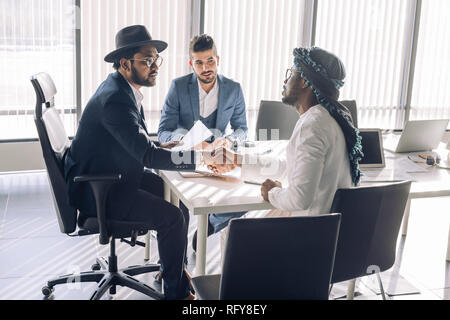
(324, 151)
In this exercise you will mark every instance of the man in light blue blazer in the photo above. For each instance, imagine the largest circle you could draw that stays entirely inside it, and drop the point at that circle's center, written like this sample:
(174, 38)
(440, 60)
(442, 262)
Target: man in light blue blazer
(214, 99)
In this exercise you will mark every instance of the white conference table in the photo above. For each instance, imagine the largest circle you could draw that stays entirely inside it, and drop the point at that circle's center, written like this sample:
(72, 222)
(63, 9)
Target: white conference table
(206, 195)
(435, 182)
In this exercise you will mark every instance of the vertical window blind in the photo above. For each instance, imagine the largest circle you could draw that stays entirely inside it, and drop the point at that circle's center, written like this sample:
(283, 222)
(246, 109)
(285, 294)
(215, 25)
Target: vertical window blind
(369, 37)
(255, 40)
(431, 95)
(167, 20)
(35, 36)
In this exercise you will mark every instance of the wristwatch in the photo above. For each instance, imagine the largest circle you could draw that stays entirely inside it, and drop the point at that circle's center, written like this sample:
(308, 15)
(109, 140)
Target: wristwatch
(234, 143)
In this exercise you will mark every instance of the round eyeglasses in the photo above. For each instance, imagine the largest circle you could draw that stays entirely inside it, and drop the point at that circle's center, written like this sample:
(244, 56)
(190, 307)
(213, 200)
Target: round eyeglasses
(289, 72)
(151, 61)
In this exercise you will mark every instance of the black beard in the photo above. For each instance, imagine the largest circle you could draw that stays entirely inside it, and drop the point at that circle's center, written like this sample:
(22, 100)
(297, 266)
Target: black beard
(290, 101)
(138, 80)
(207, 81)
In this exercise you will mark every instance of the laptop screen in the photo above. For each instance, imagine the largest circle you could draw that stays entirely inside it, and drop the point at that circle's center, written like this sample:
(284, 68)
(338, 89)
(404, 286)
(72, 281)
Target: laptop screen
(372, 148)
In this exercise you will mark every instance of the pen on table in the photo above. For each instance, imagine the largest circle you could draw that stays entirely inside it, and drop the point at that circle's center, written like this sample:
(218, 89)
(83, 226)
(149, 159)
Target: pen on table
(253, 182)
(266, 152)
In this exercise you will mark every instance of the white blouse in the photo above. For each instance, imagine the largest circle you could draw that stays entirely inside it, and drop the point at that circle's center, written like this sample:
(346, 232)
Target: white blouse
(316, 165)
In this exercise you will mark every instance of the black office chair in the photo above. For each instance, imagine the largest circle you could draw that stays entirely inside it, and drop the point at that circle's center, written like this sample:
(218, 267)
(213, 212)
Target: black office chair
(301, 249)
(371, 219)
(275, 115)
(351, 106)
(54, 143)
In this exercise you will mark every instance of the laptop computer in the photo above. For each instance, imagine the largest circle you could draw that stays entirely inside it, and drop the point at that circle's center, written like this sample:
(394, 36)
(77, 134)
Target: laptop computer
(373, 165)
(372, 147)
(418, 135)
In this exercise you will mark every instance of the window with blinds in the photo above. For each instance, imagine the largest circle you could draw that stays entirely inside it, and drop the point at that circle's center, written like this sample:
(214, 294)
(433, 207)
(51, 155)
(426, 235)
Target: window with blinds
(431, 94)
(255, 40)
(371, 38)
(35, 36)
(167, 20)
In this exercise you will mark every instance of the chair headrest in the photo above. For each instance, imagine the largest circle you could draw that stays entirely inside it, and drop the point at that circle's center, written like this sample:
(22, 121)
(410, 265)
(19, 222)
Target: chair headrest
(55, 131)
(47, 85)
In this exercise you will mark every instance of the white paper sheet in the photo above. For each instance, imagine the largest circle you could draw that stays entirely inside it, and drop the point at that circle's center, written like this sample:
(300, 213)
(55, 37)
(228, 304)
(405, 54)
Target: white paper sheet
(235, 173)
(384, 175)
(409, 166)
(198, 133)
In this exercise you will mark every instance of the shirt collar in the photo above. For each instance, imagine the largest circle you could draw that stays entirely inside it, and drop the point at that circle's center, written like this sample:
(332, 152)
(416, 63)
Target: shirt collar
(214, 88)
(138, 96)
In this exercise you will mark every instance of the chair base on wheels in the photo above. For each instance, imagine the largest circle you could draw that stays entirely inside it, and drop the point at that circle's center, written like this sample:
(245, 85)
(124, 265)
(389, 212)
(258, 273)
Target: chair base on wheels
(109, 280)
(106, 274)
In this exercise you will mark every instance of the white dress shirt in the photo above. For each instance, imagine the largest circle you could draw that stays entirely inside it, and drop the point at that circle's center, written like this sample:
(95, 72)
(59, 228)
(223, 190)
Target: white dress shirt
(316, 164)
(208, 102)
(138, 96)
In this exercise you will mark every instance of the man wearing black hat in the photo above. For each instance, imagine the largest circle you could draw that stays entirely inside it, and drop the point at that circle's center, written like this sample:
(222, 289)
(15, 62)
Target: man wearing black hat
(112, 137)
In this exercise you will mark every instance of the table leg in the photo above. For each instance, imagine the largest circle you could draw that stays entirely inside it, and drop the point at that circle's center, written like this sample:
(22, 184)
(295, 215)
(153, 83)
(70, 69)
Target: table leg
(166, 192)
(448, 245)
(351, 289)
(147, 247)
(174, 200)
(406, 217)
(200, 261)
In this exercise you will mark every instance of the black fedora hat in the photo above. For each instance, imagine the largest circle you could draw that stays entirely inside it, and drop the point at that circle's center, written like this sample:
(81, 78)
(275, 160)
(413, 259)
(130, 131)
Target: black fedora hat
(132, 37)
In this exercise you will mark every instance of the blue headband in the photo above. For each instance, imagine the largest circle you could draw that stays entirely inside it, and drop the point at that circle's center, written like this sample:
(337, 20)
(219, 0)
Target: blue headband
(303, 56)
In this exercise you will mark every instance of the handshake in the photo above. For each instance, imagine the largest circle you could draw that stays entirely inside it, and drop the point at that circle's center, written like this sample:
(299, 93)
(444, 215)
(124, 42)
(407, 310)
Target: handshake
(221, 160)
(218, 157)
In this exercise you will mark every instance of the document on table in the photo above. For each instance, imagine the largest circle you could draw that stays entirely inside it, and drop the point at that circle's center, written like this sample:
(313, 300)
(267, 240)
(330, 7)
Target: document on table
(203, 171)
(402, 169)
(198, 133)
(409, 166)
(235, 173)
(384, 175)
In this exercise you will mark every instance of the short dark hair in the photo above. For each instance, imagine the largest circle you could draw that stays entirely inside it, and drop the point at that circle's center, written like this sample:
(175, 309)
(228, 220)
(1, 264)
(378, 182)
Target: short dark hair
(127, 55)
(202, 42)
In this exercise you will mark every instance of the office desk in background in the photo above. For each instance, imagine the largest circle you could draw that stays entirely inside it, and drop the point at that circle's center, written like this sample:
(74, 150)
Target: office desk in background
(206, 195)
(433, 182)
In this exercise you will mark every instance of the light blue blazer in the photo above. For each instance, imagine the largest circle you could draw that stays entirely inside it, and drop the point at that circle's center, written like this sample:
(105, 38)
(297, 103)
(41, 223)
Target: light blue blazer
(181, 109)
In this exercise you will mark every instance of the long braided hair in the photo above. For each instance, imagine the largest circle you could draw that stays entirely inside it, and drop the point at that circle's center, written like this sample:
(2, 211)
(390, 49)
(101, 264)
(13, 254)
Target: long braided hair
(324, 73)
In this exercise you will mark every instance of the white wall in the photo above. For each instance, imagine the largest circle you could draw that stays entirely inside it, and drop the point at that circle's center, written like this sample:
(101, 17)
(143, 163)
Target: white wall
(19, 156)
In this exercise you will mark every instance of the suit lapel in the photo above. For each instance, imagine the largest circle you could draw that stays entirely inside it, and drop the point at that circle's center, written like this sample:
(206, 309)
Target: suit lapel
(143, 119)
(193, 92)
(220, 106)
(125, 86)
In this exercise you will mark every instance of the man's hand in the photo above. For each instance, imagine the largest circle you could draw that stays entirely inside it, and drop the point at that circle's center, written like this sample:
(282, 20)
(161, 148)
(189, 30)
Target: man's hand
(222, 143)
(221, 160)
(226, 156)
(170, 144)
(203, 146)
(267, 186)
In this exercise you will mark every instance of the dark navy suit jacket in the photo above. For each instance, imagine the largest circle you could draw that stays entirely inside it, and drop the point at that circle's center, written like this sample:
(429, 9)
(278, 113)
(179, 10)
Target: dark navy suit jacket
(181, 109)
(112, 139)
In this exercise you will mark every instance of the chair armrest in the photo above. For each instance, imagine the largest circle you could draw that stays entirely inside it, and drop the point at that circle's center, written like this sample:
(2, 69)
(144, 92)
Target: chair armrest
(98, 177)
(100, 185)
